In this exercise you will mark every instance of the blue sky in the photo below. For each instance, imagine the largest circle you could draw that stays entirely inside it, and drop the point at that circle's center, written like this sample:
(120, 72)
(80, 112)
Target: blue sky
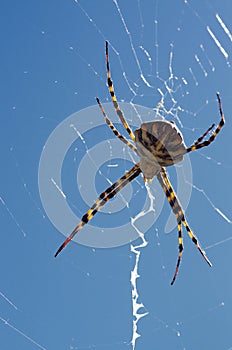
(52, 66)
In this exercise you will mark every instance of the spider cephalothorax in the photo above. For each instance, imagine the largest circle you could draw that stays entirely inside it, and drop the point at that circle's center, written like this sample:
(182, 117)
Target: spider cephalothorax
(158, 144)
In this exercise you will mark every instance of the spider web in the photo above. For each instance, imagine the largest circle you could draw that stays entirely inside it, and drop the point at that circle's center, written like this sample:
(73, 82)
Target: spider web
(171, 59)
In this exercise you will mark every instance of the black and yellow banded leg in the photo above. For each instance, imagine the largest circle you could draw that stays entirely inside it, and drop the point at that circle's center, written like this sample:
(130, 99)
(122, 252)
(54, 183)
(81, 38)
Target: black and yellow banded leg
(177, 204)
(179, 214)
(177, 210)
(198, 144)
(102, 199)
(115, 131)
(114, 99)
(181, 248)
(204, 135)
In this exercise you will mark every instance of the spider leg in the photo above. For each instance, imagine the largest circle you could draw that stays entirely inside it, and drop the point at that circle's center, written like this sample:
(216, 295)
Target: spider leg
(204, 135)
(198, 144)
(115, 131)
(178, 213)
(181, 214)
(175, 205)
(114, 99)
(104, 197)
(181, 248)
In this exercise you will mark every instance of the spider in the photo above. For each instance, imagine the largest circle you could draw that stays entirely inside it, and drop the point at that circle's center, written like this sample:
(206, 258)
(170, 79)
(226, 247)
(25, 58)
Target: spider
(158, 144)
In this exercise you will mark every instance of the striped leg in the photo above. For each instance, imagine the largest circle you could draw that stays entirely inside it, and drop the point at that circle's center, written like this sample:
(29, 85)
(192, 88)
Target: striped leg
(181, 214)
(198, 144)
(103, 199)
(115, 102)
(173, 201)
(181, 248)
(178, 213)
(115, 131)
(204, 135)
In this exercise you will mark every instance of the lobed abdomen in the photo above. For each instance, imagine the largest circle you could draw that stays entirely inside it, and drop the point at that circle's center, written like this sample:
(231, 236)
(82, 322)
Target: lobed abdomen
(159, 144)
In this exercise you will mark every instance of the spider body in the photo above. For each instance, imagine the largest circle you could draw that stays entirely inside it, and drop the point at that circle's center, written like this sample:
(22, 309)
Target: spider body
(158, 144)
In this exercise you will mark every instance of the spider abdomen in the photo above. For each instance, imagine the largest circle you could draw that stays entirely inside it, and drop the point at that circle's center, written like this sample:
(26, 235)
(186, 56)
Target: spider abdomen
(159, 144)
